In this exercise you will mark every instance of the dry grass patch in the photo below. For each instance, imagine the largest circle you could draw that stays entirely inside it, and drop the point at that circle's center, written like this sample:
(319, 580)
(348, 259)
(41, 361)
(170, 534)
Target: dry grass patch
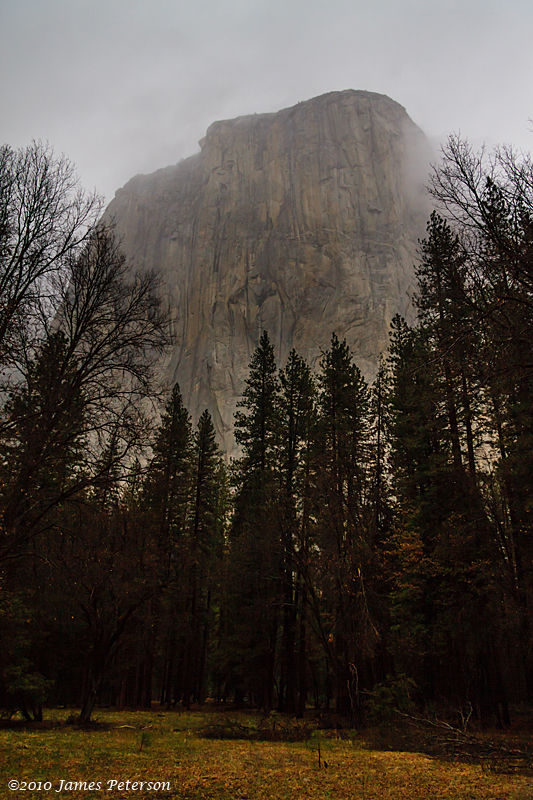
(146, 746)
(272, 728)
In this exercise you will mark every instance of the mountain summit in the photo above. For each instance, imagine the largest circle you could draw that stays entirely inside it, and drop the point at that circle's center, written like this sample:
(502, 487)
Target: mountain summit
(302, 222)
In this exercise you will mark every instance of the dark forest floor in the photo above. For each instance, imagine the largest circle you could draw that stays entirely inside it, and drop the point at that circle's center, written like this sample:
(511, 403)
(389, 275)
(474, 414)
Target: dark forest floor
(203, 755)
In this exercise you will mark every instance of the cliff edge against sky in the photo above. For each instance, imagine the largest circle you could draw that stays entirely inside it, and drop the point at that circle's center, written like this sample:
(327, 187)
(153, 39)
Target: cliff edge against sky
(301, 222)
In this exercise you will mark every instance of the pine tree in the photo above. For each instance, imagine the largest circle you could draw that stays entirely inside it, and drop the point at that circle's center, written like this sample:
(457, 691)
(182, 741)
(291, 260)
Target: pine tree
(43, 442)
(205, 546)
(168, 484)
(346, 624)
(256, 431)
(297, 427)
(446, 303)
(506, 313)
(168, 499)
(253, 603)
(441, 538)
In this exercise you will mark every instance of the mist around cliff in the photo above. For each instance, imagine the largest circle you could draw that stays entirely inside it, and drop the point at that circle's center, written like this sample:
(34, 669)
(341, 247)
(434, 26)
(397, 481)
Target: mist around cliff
(128, 87)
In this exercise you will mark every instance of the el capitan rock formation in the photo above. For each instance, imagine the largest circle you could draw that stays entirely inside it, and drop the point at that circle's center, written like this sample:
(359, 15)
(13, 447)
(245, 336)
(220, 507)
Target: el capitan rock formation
(301, 222)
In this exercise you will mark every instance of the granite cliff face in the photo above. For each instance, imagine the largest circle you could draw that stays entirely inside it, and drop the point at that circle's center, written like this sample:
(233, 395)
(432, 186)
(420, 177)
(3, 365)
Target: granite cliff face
(302, 222)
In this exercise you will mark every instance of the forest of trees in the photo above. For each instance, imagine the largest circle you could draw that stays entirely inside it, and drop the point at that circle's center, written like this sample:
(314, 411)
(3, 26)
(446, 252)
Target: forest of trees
(371, 543)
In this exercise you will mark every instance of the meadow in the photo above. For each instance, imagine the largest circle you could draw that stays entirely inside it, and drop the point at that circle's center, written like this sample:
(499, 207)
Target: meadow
(175, 755)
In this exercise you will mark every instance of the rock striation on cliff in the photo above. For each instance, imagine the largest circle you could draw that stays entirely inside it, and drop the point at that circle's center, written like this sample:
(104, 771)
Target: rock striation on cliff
(302, 222)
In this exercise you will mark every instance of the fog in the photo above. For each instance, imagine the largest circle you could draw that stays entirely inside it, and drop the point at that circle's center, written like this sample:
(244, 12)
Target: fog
(128, 86)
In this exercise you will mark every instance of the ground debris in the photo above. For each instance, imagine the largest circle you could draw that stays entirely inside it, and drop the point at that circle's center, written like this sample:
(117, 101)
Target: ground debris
(440, 738)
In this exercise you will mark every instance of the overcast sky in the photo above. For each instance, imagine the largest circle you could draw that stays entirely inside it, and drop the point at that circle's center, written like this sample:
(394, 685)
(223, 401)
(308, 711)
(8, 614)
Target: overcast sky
(128, 86)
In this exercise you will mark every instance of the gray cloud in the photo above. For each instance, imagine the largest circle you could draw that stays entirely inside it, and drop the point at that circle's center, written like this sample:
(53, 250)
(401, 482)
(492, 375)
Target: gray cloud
(128, 86)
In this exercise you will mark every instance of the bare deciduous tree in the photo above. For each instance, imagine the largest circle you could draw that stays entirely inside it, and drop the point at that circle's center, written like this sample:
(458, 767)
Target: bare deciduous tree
(89, 382)
(45, 217)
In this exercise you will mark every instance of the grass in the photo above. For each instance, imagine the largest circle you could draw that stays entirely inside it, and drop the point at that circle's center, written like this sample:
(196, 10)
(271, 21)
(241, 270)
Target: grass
(169, 748)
